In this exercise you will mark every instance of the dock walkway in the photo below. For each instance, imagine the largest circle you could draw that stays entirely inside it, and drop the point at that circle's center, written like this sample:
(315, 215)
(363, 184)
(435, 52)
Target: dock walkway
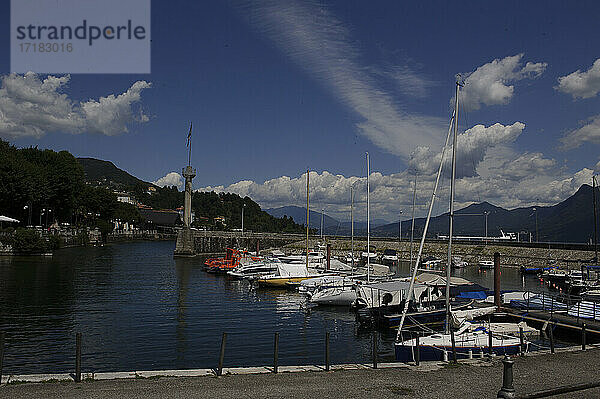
(473, 379)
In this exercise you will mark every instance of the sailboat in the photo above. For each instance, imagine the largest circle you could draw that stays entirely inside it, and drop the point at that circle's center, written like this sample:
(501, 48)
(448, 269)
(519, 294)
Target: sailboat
(434, 346)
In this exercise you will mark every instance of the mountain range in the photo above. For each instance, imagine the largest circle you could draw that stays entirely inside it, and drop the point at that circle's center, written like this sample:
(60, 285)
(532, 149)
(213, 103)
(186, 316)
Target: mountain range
(571, 220)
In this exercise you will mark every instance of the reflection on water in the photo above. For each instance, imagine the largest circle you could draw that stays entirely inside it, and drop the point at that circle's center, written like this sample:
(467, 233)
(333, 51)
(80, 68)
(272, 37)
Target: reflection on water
(140, 309)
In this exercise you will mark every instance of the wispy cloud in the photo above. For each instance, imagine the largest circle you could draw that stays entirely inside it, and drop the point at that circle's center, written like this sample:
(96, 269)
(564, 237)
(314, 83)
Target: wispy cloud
(589, 132)
(311, 36)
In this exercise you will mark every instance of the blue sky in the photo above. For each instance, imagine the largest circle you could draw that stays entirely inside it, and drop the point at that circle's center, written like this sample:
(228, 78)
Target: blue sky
(274, 88)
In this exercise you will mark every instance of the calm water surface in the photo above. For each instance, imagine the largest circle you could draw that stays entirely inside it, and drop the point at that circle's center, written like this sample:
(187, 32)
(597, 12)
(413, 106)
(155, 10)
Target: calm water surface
(138, 308)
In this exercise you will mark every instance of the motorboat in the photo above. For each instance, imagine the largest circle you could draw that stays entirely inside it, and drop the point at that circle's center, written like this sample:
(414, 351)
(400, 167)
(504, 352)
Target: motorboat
(287, 273)
(485, 264)
(458, 262)
(389, 255)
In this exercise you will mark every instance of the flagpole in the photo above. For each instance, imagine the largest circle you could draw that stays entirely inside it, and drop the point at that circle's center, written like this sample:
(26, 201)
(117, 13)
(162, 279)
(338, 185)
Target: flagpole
(190, 146)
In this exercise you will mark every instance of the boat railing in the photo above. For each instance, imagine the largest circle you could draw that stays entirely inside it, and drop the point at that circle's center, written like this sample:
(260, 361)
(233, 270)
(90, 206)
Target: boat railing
(574, 305)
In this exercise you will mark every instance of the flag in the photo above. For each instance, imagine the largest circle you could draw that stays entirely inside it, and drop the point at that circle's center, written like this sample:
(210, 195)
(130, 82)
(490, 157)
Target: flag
(189, 136)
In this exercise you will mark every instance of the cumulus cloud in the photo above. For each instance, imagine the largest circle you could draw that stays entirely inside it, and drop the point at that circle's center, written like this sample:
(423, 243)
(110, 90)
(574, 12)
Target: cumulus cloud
(589, 132)
(170, 179)
(581, 84)
(31, 107)
(471, 145)
(319, 43)
(490, 84)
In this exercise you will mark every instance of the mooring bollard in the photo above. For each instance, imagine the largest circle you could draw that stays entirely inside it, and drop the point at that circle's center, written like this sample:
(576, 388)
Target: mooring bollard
(375, 350)
(551, 336)
(453, 346)
(507, 391)
(417, 351)
(490, 344)
(276, 353)
(583, 338)
(327, 351)
(222, 354)
(78, 357)
(522, 339)
(1, 354)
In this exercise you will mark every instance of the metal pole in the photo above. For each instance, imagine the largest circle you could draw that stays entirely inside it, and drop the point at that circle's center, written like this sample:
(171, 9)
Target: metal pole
(417, 351)
(352, 224)
(497, 301)
(222, 354)
(327, 351)
(507, 391)
(374, 347)
(1, 354)
(78, 357)
(412, 228)
(595, 220)
(243, 206)
(322, 214)
(307, 213)
(368, 224)
(451, 214)
(328, 256)
(583, 337)
(522, 339)
(490, 343)
(276, 353)
(551, 336)
(453, 346)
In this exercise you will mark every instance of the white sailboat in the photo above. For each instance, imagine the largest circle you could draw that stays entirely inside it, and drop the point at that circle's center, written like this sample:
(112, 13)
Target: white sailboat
(466, 340)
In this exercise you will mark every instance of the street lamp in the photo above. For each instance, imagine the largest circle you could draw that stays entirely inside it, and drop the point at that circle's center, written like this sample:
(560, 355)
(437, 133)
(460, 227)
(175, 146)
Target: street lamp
(41, 213)
(243, 206)
(400, 227)
(536, 225)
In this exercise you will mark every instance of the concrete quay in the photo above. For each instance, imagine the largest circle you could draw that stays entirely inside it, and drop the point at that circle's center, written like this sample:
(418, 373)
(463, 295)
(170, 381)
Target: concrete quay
(469, 379)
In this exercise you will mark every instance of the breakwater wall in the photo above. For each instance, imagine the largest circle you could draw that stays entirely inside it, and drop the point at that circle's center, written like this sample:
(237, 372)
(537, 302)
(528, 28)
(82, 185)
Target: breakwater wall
(196, 242)
(515, 255)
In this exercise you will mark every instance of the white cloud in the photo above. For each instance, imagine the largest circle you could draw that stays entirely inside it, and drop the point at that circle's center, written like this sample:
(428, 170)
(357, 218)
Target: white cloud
(170, 179)
(320, 44)
(32, 107)
(581, 84)
(589, 132)
(490, 84)
(472, 146)
(505, 178)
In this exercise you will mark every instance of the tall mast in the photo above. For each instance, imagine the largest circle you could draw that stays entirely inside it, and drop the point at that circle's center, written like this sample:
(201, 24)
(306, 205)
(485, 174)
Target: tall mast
(352, 224)
(190, 146)
(368, 224)
(449, 265)
(422, 244)
(307, 214)
(595, 220)
(412, 227)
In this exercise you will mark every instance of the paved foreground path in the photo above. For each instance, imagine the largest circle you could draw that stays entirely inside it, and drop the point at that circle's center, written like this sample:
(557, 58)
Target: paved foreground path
(480, 379)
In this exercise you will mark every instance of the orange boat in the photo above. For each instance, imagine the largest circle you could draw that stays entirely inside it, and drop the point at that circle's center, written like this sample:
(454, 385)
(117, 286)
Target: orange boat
(229, 262)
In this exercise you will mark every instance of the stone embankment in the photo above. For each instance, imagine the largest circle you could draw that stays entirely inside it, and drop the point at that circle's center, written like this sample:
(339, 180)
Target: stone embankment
(513, 256)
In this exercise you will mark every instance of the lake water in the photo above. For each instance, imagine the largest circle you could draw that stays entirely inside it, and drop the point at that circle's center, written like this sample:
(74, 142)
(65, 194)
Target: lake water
(138, 308)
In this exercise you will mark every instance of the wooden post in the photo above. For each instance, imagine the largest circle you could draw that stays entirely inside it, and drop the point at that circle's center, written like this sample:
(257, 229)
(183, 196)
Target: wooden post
(1, 353)
(583, 337)
(276, 353)
(328, 256)
(327, 351)
(497, 301)
(551, 336)
(374, 349)
(417, 351)
(454, 360)
(78, 357)
(222, 354)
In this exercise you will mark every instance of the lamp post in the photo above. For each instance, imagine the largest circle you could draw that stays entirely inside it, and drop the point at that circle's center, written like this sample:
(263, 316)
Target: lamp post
(399, 229)
(537, 237)
(243, 206)
(41, 213)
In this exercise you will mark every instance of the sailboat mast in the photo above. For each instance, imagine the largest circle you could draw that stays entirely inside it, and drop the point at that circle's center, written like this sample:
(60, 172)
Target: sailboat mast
(368, 223)
(595, 220)
(449, 265)
(422, 244)
(307, 214)
(412, 227)
(352, 224)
